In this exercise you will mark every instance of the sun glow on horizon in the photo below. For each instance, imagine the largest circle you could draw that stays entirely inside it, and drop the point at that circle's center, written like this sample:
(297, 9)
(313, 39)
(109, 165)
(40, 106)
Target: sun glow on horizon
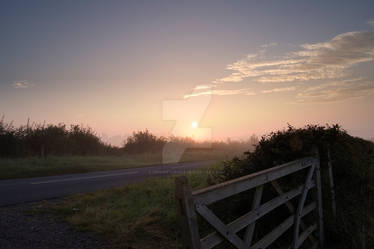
(194, 124)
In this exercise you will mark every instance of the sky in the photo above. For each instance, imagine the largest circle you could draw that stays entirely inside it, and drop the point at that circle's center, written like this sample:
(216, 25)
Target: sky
(206, 69)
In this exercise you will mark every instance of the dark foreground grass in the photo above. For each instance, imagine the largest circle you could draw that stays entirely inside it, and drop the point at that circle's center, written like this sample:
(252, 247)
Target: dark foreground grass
(138, 216)
(53, 165)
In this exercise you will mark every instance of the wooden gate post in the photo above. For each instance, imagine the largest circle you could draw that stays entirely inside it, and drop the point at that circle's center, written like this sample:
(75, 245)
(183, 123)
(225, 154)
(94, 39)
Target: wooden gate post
(319, 200)
(331, 182)
(186, 214)
(320, 206)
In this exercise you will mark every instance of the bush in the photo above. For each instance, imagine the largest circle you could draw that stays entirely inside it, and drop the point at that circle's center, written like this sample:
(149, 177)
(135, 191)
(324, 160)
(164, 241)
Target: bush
(144, 141)
(43, 140)
(9, 140)
(353, 165)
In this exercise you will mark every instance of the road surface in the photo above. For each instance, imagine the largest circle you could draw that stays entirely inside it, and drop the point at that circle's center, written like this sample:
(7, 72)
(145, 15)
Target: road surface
(17, 191)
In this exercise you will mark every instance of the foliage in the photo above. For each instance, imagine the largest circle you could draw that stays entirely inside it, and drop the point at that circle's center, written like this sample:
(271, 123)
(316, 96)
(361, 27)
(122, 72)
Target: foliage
(353, 164)
(144, 141)
(43, 140)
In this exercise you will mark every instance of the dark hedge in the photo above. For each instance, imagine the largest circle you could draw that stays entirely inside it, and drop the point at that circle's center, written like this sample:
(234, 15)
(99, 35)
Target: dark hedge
(353, 165)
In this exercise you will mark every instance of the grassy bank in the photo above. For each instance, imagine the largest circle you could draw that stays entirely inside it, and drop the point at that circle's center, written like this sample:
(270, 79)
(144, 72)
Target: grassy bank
(138, 216)
(32, 167)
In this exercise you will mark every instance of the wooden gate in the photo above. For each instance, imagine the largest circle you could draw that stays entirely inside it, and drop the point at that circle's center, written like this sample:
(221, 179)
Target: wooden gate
(188, 204)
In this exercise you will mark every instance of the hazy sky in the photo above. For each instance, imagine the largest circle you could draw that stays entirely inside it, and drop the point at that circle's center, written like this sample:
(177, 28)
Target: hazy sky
(113, 64)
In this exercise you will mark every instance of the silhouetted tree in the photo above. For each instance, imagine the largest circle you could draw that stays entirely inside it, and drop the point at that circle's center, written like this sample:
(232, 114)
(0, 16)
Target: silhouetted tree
(144, 141)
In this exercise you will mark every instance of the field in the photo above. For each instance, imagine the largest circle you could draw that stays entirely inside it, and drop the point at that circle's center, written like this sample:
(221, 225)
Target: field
(56, 165)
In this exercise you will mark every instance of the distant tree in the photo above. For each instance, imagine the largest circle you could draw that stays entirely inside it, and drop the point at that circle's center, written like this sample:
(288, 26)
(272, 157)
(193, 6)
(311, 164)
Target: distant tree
(43, 140)
(10, 145)
(144, 141)
(84, 141)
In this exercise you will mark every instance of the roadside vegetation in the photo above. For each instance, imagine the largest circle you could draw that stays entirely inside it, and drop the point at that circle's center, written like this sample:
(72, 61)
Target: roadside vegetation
(352, 160)
(143, 215)
(58, 165)
(47, 149)
(139, 216)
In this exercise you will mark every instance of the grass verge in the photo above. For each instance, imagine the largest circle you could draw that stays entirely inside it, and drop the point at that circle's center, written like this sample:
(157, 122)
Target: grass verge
(57, 165)
(138, 216)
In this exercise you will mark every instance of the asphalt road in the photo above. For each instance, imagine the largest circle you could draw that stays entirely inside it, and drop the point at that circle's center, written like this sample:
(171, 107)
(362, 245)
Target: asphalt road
(23, 190)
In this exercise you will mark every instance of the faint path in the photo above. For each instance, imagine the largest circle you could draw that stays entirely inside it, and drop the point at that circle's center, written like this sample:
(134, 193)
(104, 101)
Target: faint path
(17, 191)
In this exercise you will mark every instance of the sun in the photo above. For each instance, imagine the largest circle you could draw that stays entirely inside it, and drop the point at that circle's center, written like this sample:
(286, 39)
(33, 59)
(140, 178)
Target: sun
(194, 124)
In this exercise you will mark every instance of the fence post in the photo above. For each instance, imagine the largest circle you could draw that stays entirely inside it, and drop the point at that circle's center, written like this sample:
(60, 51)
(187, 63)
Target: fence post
(319, 200)
(186, 214)
(332, 187)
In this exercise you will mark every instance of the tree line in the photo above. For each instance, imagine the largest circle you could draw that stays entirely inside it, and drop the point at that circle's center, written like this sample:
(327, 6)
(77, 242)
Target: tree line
(41, 140)
(49, 139)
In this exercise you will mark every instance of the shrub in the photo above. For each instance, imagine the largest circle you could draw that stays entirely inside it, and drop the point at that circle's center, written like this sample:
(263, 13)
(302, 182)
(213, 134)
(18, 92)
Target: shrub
(43, 140)
(9, 140)
(353, 165)
(144, 141)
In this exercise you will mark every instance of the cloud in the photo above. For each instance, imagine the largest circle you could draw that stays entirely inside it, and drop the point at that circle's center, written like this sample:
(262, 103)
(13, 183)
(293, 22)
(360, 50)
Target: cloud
(336, 91)
(268, 45)
(202, 87)
(276, 90)
(22, 84)
(220, 92)
(327, 64)
(333, 84)
(316, 61)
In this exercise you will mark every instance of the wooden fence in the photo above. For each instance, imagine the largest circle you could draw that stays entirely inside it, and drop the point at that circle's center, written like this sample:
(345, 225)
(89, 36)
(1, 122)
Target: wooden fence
(189, 203)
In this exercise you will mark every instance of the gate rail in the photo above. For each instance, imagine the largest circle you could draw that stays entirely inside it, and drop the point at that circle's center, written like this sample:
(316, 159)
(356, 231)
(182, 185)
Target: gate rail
(189, 203)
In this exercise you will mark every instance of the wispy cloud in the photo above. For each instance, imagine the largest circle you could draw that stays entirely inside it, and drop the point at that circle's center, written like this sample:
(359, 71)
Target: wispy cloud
(325, 60)
(327, 63)
(203, 87)
(276, 90)
(333, 84)
(220, 92)
(336, 91)
(268, 45)
(23, 84)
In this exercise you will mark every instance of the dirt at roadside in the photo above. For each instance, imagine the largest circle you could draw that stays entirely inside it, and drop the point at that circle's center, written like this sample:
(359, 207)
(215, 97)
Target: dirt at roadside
(20, 228)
